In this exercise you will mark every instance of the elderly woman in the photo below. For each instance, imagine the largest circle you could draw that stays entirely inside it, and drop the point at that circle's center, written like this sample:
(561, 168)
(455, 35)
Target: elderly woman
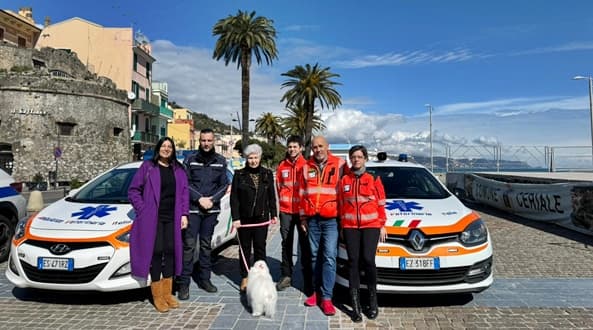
(253, 206)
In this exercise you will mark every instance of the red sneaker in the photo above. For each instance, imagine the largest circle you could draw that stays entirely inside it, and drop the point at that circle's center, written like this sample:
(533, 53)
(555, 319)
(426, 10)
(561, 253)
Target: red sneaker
(311, 300)
(327, 307)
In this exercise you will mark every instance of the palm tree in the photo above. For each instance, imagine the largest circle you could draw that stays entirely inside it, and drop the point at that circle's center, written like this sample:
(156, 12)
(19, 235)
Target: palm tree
(269, 126)
(242, 37)
(308, 84)
(294, 122)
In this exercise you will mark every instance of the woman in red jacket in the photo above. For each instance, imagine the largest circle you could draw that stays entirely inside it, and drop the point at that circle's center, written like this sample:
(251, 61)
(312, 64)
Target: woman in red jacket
(361, 199)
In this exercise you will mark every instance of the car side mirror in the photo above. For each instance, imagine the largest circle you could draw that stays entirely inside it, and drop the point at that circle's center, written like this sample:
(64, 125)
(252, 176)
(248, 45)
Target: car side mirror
(73, 192)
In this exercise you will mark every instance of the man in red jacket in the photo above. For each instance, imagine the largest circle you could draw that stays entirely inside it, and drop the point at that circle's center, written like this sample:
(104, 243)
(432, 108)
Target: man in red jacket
(319, 213)
(287, 174)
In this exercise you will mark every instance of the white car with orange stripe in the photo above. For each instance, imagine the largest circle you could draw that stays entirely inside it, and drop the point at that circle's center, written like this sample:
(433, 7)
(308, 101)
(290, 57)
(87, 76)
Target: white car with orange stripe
(435, 244)
(81, 242)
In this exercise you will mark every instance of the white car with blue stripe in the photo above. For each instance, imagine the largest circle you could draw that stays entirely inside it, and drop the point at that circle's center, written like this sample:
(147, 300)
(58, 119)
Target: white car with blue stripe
(13, 207)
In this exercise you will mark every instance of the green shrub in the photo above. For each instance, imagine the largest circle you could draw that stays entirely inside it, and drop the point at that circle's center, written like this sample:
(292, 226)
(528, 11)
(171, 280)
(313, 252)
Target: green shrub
(75, 183)
(21, 68)
(37, 178)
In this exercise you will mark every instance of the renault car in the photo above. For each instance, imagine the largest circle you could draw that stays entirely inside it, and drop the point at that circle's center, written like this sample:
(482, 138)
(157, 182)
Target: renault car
(435, 244)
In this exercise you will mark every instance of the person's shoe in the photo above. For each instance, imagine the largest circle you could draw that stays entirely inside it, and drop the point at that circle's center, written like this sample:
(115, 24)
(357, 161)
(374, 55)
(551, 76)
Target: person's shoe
(243, 284)
(284, 283)
(156, 288)
(356, 315)
(327, 307)
(167, 289)
(183, 292)
(373, 311)
(207, 286)
(311, 300)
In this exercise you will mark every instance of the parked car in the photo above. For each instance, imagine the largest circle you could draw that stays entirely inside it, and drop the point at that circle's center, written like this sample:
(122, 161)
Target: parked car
(81, 242)
(13, 207)
(435, 244)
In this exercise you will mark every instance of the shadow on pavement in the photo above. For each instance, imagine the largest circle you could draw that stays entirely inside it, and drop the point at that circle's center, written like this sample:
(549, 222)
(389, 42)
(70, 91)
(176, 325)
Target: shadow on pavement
(548, 227)
(81, 297)
(342, 299)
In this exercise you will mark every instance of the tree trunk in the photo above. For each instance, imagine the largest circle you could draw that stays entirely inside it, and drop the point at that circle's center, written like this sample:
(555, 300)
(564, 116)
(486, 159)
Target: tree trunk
(245, 68)
(309, 114)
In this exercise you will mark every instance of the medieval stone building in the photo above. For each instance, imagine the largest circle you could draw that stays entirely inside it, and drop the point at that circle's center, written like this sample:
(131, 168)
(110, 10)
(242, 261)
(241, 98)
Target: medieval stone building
(56, 116)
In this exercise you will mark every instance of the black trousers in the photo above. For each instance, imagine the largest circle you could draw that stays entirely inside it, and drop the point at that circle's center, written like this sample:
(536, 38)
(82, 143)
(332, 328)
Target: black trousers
(163, 255)
(288, 223)
(361, 245)
(252, 237)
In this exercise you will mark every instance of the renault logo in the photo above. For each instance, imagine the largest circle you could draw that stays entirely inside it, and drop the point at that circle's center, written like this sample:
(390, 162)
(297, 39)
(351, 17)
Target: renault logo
(59, 249)
(417, 240)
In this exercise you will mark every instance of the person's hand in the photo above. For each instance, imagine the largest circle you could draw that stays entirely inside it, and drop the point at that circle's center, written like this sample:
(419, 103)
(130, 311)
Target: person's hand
(304, 225)
(274, 220)
(382, 235)
(205, 202)
(184, 221)
(237, 224)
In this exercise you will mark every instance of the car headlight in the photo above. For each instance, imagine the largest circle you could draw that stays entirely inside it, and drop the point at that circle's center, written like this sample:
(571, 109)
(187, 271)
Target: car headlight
(19, 230)
(125, 237)
(475, 233)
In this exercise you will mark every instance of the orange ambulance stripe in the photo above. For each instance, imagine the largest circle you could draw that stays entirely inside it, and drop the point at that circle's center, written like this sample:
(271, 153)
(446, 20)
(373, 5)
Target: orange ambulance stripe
(442, 251)
(435, 230)
(109, 238)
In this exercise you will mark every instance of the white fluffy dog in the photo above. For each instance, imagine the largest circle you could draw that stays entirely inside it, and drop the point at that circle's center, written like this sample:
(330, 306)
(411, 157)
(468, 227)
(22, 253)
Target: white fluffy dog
(261, 291)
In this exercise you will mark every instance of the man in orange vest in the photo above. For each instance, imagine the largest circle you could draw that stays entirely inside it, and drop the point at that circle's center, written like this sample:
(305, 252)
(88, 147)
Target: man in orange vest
(287, 174)
(319, 212)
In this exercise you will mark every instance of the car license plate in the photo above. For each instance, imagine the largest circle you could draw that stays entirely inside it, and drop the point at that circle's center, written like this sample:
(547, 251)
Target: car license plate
(419, 263)
(55, 263)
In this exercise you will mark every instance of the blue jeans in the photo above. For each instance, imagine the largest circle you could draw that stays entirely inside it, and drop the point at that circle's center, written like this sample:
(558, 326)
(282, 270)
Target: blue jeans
(323, 238)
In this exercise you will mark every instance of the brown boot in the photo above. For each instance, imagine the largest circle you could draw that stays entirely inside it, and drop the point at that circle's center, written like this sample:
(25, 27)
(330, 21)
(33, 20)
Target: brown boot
(244, 284)
(167, 289)
(157, 296)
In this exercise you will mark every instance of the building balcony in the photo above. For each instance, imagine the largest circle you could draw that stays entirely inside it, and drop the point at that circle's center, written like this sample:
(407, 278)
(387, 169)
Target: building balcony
(145, 137)
(145, 107)
(166, 112)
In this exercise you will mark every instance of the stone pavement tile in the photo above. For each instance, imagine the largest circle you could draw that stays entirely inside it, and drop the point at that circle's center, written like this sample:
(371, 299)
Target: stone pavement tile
(224, 322)
(246, 324)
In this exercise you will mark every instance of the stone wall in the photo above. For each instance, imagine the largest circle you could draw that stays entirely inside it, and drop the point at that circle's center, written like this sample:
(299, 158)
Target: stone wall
(12, 56)
(33, 104)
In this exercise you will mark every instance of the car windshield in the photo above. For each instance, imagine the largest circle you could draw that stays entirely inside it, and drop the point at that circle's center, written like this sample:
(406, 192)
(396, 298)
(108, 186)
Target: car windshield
(409, 182)
(111, 187)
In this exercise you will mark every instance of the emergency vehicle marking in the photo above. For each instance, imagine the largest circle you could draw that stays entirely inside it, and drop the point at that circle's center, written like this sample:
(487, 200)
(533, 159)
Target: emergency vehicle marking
(403, 206)
(89, 211)
(413, 224)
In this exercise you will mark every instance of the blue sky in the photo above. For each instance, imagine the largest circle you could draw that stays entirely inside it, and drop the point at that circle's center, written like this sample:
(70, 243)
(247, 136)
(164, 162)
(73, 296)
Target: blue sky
(496, 72)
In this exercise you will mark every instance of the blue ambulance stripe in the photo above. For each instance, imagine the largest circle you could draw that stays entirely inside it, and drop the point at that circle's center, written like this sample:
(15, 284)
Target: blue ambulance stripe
(7, 192)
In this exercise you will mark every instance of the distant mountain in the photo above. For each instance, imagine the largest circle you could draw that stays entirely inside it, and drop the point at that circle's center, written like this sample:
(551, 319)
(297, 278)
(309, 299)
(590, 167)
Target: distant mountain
(474, 164)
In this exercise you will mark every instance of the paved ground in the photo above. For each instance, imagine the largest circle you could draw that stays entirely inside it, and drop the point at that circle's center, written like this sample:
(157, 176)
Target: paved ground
(543, 280)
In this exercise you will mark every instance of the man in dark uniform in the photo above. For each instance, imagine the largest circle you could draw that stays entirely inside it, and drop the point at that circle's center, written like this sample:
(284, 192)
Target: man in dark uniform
(208, 182)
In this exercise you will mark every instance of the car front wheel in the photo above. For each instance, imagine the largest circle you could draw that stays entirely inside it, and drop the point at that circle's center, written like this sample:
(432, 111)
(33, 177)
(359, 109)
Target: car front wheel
(6, 233)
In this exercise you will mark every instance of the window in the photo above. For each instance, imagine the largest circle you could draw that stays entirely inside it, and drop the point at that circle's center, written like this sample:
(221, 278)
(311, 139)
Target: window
(409, 182)
(136, 89)
(65, 128)
(117, 131)
(1, 34)
(135, 62)
(148, 70)
(146, 124)
(22, 42)
(147, 95)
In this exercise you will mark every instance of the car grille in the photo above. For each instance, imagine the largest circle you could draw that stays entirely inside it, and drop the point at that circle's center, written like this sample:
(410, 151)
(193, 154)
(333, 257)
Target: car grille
(428, 244)
(77, 276)
(443, 276)
(73, 245)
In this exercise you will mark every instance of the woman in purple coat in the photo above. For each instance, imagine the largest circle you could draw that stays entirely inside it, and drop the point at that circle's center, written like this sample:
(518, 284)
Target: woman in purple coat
(160, 197)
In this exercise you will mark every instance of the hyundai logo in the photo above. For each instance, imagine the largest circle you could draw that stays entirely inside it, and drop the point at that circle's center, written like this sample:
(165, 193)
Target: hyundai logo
(417, 240)
(60, 249)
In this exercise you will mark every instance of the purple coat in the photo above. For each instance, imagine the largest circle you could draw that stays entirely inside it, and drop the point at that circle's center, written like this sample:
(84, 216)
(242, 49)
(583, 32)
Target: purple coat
(144, 194)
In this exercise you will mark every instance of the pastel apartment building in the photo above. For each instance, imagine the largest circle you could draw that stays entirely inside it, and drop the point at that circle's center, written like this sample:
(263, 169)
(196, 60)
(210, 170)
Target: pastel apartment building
(122, 55)
(19, 28)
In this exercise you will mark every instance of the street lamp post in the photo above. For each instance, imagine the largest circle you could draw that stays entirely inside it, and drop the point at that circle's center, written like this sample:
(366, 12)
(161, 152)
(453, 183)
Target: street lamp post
(590, 105)
(430, 133)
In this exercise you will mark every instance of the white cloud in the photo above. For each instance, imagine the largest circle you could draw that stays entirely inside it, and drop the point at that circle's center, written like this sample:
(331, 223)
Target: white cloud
(410, 57)
(208, 86)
